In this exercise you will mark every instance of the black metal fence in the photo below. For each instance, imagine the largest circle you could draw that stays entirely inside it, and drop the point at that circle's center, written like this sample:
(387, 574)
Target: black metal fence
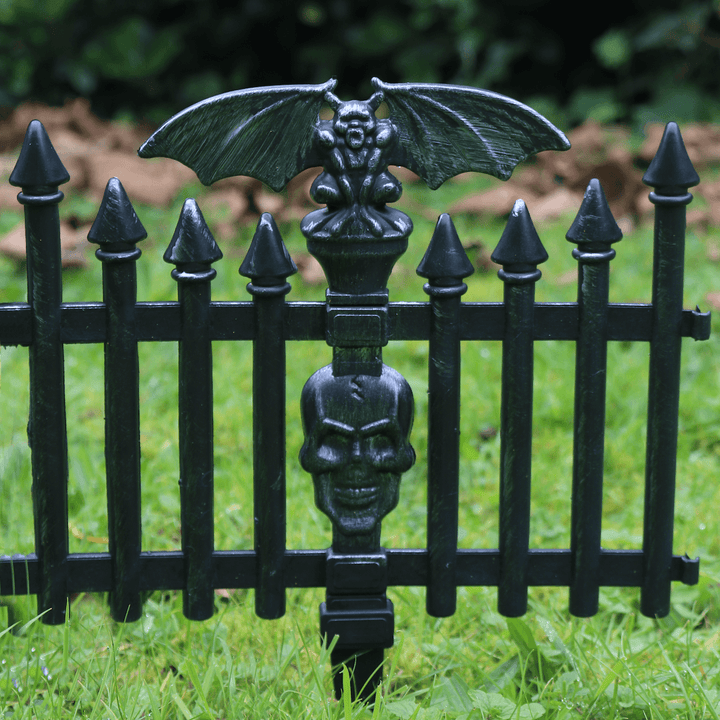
(45, 324)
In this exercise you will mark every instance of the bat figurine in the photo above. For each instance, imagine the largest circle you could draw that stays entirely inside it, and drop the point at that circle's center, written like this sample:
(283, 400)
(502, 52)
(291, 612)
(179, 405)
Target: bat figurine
(273, 133)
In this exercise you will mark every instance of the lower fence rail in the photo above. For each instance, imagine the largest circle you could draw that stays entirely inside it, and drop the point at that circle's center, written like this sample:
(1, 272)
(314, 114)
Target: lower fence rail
(92, 572)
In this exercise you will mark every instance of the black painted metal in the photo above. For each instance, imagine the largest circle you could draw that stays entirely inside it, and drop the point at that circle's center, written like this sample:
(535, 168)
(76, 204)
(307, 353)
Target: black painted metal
(445, 264)
(116, 230)
(671, 174)
(594, 229)
(268, 264)
(39, 172)
(519, 252)
(192, 250)
(357, 412)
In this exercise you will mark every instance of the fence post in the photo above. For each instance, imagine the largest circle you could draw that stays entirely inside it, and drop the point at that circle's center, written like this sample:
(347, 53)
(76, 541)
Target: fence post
(38, 173)
(192, 250)
(593, 230)
(445, 264)
(116, 229)
(671, 174)
(268, 264)
(519, 251)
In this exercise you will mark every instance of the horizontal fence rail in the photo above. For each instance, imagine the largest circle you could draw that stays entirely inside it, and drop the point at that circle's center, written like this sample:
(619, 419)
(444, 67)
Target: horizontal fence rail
(92, 572)
(160, 322)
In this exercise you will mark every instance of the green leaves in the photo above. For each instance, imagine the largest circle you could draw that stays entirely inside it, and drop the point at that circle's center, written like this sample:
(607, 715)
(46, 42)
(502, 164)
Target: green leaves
(167, 54)
(132, 49)
(613, 49)
(534, 664)
(17, 11)
(455, 699)
(493, 705)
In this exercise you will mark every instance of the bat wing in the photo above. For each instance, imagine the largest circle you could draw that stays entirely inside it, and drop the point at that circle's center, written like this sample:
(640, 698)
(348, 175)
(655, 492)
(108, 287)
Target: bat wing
(444, 130)
(265, 133)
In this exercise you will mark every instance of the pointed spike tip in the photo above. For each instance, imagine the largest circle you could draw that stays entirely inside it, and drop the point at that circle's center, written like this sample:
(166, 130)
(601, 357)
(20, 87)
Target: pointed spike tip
(594, 223)
(38, 164)
(445, 256)
(192, 242)
(671, 167)
(116, 221)
(267, 257)
(519, 244)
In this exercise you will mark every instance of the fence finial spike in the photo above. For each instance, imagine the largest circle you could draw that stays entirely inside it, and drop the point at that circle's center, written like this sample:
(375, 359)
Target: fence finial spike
(192, 241)
(594, 222)
(116, 221)
(267, 257)
(445, 256)
(519, 243)
(38, 164)
(671, 167)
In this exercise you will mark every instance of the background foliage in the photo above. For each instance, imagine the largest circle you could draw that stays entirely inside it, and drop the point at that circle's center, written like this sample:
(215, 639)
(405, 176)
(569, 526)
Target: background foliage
(153, 57)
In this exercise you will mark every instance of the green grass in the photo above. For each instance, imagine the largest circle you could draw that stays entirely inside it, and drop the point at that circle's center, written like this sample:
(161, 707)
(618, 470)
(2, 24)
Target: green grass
(475, 664)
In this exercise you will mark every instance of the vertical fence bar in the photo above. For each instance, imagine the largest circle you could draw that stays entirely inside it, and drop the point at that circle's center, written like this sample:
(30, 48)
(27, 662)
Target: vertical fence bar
(593, 230)
(445, 264)
(39, 172)
(116, 229)
(519, 251)
(268, 264)
(671, 173)
(192, 249)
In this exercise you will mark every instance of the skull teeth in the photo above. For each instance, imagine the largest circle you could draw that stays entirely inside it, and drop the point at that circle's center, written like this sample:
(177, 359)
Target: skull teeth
(356, 496)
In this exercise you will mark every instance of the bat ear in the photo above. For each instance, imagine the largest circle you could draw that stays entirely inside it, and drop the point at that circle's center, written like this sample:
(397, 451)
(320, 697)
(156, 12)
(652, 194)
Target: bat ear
(332, 100)
(375, 101)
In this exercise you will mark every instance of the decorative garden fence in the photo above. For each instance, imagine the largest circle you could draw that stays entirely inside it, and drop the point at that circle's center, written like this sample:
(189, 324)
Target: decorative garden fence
(357, 412)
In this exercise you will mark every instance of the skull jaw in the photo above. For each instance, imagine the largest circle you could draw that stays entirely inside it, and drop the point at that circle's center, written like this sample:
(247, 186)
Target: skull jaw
(356, 509)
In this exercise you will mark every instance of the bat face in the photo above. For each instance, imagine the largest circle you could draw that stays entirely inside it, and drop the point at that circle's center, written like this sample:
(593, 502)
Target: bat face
(354, 121)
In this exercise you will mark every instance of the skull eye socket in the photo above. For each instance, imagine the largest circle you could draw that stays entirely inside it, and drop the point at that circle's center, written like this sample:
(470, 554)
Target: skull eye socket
(381, 449)
(333, 449)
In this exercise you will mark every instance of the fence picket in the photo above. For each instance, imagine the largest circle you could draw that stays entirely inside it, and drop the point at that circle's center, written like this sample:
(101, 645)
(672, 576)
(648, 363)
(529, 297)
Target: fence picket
(593, 230)
(192, 249)
(445, 265)
(519, 251)
(671, 174)
(39, 172)
(268, 263)
(116, 229)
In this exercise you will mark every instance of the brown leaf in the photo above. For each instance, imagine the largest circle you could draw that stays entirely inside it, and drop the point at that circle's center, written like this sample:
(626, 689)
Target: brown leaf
(496, 201)
(74, 245)
(552, 206)
(153, 182)
(267, 202)
(713, 300)
(228, 204)
(310, 269)
(8, 197)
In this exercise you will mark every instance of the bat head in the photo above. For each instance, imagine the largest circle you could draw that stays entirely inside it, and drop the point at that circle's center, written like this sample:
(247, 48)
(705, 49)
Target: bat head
(354, 121)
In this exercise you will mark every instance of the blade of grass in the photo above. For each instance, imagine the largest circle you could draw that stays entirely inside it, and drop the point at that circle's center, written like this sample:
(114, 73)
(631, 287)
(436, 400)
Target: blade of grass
(680, 681)
(347, 704)
(701, 692)
(612, 675)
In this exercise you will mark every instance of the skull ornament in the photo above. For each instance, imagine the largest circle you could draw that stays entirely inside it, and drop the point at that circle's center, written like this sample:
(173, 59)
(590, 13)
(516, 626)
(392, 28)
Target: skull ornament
(356, 447)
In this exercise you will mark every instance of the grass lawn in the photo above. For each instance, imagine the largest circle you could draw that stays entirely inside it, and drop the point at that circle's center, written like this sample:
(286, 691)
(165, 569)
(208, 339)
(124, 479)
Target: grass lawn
(475, 664)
